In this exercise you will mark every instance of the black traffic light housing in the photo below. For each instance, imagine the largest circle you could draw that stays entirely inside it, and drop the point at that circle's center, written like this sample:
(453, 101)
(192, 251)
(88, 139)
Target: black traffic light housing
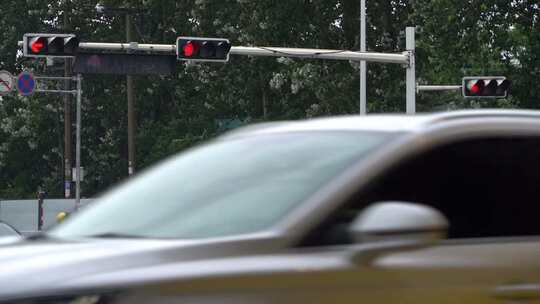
(203, 49)
(50, 45)
(485, 87)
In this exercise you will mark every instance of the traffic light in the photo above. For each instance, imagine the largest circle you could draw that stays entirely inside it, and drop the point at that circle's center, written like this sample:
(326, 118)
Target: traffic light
(203, 49)
(50, 45)
(485, 87)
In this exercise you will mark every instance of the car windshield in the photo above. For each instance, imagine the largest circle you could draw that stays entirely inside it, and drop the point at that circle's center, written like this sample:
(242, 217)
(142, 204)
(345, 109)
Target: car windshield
(6, 230)
(224, 188)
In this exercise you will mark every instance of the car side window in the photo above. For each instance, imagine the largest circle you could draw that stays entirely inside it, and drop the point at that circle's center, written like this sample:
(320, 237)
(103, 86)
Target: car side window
(486, 187)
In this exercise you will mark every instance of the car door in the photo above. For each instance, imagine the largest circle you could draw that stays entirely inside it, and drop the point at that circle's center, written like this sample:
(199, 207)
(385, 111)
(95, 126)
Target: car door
(493, 253)
(468, 271)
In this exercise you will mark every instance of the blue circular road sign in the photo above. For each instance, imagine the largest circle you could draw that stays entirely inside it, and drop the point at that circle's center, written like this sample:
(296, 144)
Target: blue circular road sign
(26, 83)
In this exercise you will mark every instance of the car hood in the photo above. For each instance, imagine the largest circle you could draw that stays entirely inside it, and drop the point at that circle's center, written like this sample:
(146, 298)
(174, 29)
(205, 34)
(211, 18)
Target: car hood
(9, 240)
(42, 267)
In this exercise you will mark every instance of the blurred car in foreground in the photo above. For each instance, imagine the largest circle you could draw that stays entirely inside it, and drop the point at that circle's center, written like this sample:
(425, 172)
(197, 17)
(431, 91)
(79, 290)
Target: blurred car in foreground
(412, 209)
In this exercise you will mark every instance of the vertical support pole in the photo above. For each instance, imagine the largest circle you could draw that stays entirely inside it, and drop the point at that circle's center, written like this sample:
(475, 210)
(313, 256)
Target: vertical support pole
(67, 121)
(67, 131)
(264, 101)
(41, 197)
(78, 145)
(363, 63)
(411, 72)
(130, 108)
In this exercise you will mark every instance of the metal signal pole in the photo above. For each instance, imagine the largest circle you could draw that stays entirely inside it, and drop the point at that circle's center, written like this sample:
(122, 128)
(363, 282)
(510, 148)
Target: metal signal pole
(363, 64)
(438, 88)
(67, 122)
(405, 58)
(78, 94)
(130, 108)
(78, 145)
(411, 70)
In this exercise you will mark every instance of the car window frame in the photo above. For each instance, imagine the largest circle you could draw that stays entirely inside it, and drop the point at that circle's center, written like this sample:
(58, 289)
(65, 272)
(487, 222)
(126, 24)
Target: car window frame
(303, 221)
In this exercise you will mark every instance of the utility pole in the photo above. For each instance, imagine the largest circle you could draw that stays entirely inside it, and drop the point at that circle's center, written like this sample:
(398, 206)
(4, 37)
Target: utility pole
(78, 145)
(363, 64)
(130, 87)
(130, 107)
(67, 120)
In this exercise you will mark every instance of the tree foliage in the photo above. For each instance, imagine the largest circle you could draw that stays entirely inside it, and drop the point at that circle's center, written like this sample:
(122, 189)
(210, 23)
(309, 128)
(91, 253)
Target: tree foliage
(454, 39)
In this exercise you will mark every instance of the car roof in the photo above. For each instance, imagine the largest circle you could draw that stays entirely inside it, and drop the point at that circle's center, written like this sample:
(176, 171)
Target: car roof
(376, 122)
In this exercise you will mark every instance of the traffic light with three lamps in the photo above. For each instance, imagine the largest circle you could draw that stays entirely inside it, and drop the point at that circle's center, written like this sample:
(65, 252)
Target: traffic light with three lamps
(50, 45)
(203, 49)
(485, 87)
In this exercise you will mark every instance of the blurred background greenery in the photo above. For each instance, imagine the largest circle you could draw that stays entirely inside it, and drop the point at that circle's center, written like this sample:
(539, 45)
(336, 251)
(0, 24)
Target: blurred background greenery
(454, 39)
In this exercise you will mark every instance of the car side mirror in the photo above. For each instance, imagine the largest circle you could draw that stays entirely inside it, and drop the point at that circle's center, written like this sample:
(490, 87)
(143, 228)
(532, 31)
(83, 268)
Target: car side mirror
(387, 227)
(398, 221)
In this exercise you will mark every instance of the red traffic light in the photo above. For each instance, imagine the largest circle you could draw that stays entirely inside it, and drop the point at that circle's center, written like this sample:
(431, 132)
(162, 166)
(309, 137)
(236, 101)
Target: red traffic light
(202, 49)
(475, 89)
(50, 45)
(475, 86)
(189, 49)
(38, 44)
(485, 87)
